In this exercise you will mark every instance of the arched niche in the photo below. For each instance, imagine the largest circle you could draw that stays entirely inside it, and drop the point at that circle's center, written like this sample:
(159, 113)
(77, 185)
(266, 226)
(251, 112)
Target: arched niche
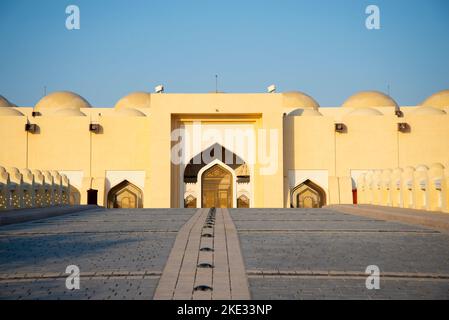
(190, 202)
(125, 195)
(308, 195)
(243, 201)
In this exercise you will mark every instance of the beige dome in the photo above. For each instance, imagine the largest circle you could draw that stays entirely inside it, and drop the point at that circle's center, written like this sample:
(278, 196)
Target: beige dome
(296, 99)
(69, 112)
(4, 103)
(10, 112)
(7, 108)
(129, 112)
(427, 111)
(135, 100)
(62, 100)
(365, 112)
(367, 99)
(305, 113)
(438, 100)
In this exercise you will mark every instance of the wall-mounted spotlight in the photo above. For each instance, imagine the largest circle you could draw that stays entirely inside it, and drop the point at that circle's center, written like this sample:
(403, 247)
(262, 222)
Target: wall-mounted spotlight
(398, 113)
(403, 127)
(31, 128)
(94, 127)
(340, 127)
(35, 114)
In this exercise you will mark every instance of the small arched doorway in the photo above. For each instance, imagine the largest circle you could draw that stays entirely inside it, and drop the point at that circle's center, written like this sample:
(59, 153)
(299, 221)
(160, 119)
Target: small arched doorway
(308, 195)
(243, 201)
(216, 188)
(125, 195)
(190, 202)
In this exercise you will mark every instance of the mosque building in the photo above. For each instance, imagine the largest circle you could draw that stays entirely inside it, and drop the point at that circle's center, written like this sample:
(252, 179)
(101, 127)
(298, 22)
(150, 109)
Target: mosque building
(265, 150)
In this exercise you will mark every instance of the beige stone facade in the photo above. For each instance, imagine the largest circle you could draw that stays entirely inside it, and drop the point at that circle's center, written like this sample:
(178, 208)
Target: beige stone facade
(284, 149)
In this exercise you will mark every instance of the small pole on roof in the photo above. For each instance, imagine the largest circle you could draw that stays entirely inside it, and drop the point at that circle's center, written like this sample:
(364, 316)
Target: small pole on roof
(45, 91)
(216, 83)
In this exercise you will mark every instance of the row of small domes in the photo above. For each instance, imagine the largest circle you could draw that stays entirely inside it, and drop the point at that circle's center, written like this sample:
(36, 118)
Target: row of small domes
(368, 99)
(295, 99)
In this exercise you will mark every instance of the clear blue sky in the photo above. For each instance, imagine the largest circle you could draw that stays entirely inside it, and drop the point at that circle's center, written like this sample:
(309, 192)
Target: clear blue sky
(320, 47)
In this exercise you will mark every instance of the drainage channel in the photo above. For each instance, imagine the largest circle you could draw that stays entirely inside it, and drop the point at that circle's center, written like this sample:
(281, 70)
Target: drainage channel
(204, 271)
(205, 262)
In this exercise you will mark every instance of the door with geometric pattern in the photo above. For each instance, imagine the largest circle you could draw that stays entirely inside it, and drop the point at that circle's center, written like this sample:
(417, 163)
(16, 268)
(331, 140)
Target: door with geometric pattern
(216, 185)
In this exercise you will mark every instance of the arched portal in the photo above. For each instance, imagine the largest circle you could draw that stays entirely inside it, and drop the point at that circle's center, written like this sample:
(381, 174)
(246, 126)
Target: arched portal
(125, 195)
(308, 195)
(216, 188)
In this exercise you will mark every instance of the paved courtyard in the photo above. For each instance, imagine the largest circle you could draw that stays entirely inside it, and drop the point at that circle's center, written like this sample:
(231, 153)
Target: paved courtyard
(286, 254)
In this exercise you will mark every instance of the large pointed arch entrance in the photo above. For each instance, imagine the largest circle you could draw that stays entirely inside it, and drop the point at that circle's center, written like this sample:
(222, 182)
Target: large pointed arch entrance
(308, 195)
(217, 187)
(215, 177)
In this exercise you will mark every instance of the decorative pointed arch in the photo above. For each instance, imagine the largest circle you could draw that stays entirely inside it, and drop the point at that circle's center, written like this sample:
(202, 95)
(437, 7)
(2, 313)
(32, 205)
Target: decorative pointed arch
(211, 155)
(308, 195)
(125, 195)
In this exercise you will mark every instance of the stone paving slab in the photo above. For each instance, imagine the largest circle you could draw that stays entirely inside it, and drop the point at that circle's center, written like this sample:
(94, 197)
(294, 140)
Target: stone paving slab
(113, 249)
(349, 251)
(281, 253)
(310, 254)
(23, 215)
(285, 288)
(438, 221)
(90, 289)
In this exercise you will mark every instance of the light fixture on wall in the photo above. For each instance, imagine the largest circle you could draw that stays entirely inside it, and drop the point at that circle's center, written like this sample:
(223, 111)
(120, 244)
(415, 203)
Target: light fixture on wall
(31, 128)
(95, 128)
(340, 127)
(403, 127)
(398, 112)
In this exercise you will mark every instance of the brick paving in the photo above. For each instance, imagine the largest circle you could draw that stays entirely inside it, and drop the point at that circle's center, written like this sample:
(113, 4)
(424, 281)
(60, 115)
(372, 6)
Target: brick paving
(258, 254)
(435, 220)
(323, 254)
(120, 254)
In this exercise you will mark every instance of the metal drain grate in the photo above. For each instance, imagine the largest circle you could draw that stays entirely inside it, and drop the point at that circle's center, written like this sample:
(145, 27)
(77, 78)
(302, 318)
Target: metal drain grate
(207, 235)
(205, 265)
(202, 288)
